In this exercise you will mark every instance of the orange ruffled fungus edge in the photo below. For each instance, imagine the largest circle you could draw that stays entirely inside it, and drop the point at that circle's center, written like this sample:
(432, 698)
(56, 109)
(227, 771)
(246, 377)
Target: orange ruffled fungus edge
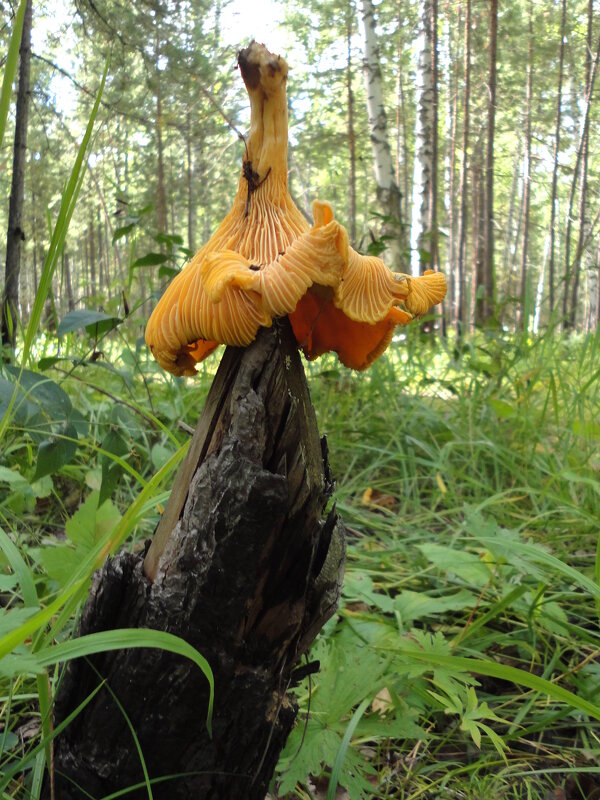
(264, 261)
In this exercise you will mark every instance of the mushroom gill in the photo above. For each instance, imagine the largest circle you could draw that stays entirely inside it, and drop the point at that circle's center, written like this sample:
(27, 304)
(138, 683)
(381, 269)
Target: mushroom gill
(265, 261)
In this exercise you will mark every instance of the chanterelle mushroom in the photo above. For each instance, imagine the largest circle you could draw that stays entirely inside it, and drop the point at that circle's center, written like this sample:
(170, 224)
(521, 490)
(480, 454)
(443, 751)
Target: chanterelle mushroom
(265, 261)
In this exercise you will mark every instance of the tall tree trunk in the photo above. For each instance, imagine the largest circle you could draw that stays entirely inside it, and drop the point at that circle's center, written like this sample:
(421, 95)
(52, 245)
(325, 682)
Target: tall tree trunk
(523, 309)
(92, 256)
(489, 289)
(15, 235)
(576, 270)
(35, 241)
(100, 242)
(561, 62)
(161, 201)
(190, 182)
(461, 308)
(351, 132)
(595, 314)
(452, 78)
(420, 242)
(508, 259)
(433, 184)
(388, 192)
(581, 149)
(401, 129)
(479, 231)
(67, 280)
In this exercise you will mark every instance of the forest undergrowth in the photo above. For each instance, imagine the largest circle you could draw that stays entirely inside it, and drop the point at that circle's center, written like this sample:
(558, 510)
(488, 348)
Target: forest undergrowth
(464, 658)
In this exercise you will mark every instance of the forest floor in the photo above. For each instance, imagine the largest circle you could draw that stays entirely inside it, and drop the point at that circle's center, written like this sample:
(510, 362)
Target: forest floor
(465, 656)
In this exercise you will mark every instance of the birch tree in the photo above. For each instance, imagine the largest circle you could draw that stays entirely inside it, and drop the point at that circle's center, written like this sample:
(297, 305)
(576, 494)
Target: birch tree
(388, 192)
(425, 144)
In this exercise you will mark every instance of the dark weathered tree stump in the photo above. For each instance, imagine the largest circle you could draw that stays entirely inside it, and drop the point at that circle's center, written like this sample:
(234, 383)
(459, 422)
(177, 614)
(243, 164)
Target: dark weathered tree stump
(247, 567)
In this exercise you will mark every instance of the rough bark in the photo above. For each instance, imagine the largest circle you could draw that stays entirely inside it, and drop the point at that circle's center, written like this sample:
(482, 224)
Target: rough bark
(461, 307)
(424, 133)
(402, 157)
(479, 230)
(561, 61)
(67, 281)
(388, 192)
(246, 565)
(161, 201)
(486, 310)
(582, 211)
(189, 183)
(15, 235)
(523, 298)
(581, 149)
(432, 222)
(451, 62)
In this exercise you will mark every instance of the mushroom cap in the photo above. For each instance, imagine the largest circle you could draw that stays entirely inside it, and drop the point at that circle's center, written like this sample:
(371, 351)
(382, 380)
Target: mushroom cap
(265, 261)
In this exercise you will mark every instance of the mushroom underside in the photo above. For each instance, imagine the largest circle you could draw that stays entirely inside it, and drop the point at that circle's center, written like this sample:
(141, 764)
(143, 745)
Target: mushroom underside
(319, 327)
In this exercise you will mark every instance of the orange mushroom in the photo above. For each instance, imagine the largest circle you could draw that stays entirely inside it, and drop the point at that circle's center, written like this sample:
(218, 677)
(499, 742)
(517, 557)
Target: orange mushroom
(265, 261)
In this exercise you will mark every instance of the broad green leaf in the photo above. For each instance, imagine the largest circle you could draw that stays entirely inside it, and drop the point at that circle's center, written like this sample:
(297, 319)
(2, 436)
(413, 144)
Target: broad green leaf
(464, 565)
(56, 451)
(168, 272)
(120, 232)
(60, 562)
(416, 605)
(94, 322)
(358, 586)
(14, 479)
(114, 443)
(503, 409)
(151, 260)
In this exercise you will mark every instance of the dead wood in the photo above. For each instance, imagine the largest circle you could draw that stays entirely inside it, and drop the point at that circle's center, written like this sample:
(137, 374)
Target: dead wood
(246, 565)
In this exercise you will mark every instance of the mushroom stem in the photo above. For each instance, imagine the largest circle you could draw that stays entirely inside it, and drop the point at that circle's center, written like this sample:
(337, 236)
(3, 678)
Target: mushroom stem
(265, 76)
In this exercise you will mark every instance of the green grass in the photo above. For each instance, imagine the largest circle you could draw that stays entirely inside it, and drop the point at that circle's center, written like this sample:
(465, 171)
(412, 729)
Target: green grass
(464, 658)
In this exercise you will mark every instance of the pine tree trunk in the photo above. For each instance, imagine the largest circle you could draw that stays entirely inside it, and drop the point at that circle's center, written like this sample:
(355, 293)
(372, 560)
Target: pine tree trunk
(568, 312)
(92, 257)
(432, 222)
(190, 183)
(161, 201)
(479, 231)
(523, 284)
(461, 308)
(450, 304)
(582, 221)
(487, 309)
(67, 280)
(246, 565)
(561, 61)
(388, 192)
(15, 234)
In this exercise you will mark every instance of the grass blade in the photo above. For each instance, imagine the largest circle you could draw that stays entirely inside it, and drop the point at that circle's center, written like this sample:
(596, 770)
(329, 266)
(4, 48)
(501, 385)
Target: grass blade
(341, 754)
(504, 672)
(124, 639)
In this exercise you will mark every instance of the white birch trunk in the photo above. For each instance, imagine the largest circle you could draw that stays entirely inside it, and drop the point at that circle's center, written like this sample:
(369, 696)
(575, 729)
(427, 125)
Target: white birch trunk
(423, 163)
(388, 193)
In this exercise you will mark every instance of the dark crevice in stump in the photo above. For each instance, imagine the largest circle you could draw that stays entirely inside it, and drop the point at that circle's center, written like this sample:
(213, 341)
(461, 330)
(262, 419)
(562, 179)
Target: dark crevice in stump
(247, 567)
